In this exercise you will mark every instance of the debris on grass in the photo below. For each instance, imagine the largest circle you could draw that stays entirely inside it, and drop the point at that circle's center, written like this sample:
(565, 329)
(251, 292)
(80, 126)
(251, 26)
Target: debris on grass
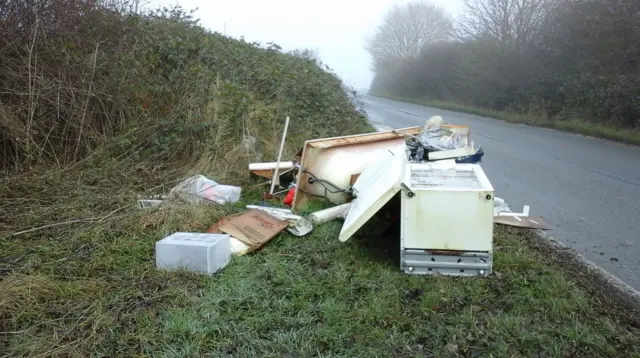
(196, 252)
(504, 216)
(149, 203)
(447, 214)
(95, 292)
(255, 228)
(276, 178)
(439, 141)
(200, 189)
(298, 225)
(529, 222)
(236, 246)
(266, 170)
(333, 213)
(327, 165)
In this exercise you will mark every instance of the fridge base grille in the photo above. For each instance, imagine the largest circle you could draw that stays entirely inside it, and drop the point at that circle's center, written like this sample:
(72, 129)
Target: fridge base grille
(446, 263)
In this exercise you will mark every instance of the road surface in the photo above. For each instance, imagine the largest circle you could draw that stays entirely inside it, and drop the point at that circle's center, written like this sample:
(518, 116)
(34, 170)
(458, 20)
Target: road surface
(588, 189)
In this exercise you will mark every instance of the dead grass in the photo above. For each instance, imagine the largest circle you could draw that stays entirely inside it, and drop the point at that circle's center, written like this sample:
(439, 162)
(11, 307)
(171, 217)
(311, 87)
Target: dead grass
(90, 289)
(628, 136)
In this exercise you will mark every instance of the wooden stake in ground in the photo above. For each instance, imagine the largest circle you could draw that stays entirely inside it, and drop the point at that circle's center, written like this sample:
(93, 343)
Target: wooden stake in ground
(275, 176)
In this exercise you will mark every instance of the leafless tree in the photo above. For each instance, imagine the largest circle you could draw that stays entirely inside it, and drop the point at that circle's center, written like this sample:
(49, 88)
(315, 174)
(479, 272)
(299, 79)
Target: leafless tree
(406, 30)
(511, 22)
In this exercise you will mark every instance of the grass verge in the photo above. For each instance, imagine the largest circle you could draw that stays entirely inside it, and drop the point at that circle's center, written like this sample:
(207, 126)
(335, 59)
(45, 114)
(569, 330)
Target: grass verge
(627, 136)
(90, 289)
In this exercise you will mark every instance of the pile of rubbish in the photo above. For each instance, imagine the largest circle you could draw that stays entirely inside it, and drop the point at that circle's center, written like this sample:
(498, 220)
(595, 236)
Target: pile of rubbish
(439, 141)
(330, 169)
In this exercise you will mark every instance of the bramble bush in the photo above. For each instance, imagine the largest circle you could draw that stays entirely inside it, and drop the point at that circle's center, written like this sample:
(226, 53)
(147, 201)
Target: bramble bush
(81, 78)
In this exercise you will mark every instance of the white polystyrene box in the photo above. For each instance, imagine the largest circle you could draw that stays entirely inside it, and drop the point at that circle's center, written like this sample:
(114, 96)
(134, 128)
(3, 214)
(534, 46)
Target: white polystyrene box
(197, 252)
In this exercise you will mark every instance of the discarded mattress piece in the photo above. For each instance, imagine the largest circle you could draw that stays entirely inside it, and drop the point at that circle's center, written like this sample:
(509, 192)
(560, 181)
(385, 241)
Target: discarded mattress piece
(196, 252)
(446, 212)
(327, 165)
(201, 190)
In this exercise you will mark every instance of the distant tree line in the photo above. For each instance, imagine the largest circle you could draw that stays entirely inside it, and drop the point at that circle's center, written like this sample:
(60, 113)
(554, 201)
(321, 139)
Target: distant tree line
(555, 59)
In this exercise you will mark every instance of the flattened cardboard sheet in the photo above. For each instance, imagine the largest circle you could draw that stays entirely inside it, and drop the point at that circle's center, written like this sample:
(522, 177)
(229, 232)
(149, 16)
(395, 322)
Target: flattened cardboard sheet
(254, 227)
(530, 222)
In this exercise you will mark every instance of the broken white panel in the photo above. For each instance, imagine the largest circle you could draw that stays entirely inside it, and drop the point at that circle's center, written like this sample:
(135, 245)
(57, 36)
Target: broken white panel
(374, 188)
(453, 153)
(196, 252)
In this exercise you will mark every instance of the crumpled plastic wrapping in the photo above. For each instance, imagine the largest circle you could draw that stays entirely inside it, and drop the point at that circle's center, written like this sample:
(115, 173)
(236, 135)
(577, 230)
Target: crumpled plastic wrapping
(499, 206)
(433, 140)
(200, 189)
(436, 138)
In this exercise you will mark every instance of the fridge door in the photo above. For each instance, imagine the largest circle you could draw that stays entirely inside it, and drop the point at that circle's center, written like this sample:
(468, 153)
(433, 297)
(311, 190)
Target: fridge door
(374, 188)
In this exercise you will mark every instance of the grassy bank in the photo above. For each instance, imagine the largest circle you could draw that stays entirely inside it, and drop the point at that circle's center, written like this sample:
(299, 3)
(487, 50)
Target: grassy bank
(627, 136)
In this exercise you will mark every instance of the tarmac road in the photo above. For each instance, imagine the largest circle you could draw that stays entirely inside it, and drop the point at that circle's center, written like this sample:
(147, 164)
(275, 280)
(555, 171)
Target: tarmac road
(587, 188)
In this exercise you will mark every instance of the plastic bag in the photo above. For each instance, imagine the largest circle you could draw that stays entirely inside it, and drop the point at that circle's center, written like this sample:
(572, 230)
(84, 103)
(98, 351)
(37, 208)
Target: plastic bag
(471, 159)
(437, 138)
(500, 206)
(200, 189)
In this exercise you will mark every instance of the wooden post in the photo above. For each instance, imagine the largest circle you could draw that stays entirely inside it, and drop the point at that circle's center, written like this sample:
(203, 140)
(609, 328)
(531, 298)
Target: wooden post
(275, 175)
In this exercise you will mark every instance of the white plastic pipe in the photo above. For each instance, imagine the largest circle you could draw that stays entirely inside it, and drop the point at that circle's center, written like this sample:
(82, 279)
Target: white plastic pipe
(333, 213)
(270, 166)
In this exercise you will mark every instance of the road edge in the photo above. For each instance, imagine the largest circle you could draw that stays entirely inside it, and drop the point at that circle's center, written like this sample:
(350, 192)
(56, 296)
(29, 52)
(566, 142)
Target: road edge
(622, 291)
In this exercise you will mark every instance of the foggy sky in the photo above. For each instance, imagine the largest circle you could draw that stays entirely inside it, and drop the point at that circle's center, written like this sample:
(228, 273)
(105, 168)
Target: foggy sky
(336, 29)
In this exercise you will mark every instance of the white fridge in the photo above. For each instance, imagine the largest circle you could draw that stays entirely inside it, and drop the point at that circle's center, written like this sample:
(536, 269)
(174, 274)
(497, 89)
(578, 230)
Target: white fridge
(446, 213)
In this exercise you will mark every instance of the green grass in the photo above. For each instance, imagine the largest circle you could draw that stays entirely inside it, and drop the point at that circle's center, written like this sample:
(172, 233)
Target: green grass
(628, 136)
(90, 289)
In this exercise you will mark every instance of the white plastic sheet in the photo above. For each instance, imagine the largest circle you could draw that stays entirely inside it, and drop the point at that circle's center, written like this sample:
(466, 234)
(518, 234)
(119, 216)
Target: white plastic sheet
(500, 206)
(200, 189)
